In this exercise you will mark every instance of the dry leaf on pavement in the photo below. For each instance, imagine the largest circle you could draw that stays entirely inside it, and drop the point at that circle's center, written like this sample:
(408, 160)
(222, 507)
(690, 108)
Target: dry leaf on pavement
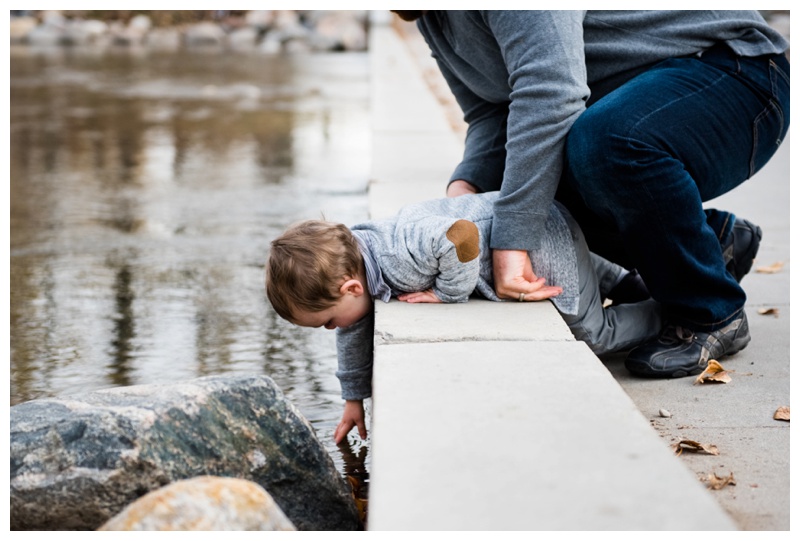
(695, 447)
(768, 311)
(714, 373)
(771, 269)
(782, 414)
(714, 482)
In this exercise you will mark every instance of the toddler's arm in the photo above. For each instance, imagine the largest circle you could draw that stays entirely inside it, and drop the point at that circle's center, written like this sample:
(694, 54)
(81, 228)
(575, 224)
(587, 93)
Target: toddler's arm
(353, 416)
(445, 248)
(354, 350)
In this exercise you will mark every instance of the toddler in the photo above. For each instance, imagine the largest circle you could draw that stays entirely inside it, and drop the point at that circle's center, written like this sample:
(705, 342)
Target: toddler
(321, 274)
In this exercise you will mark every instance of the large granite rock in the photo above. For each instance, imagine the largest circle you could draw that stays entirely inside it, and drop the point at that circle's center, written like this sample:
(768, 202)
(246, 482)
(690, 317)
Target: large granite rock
(206, 503)
(77, 461)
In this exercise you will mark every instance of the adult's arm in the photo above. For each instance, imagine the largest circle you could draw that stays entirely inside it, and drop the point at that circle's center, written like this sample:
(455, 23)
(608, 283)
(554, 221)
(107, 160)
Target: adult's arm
(484, 145)
(543, 53)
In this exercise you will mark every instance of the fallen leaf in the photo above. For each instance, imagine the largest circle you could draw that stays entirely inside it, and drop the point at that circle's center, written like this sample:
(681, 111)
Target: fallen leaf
(695, 447)
(771, 269)
(361, 503)
(714, 373)
(362, 507)
(781, 414)
(768, 311)
(355, 484)
(714, 482)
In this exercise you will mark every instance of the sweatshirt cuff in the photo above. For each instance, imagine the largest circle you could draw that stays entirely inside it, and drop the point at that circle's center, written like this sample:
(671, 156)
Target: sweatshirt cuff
(484, 176)
(357, 387)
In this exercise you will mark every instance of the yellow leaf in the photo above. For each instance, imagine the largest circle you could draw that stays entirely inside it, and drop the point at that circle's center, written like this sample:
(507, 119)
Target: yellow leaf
(715, 482)
(771, 269)
(361, 503)
(361, 506)
(695, 447)
(781, 414)
(768, 311)
(713, 373)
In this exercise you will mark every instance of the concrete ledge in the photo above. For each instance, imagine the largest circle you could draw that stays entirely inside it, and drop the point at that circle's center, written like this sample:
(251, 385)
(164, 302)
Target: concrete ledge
(386, 197)
(432, 160)
(395, 79)
(519, 436)
(476, 320)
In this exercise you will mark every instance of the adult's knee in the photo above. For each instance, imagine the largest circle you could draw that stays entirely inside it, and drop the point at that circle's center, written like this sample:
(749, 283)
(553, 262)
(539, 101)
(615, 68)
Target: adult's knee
(595, 149)
(593, 143)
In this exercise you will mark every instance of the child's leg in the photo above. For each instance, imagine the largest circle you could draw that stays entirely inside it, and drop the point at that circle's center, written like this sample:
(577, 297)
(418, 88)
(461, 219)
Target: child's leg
(608, 273)
(616, 283)
(616, 328)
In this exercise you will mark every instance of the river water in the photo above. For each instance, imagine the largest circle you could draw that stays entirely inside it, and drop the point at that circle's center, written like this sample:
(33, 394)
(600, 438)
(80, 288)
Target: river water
(145, 189)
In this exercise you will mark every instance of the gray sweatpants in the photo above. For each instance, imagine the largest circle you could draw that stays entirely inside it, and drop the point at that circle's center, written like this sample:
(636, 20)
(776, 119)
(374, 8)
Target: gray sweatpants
(616, 328)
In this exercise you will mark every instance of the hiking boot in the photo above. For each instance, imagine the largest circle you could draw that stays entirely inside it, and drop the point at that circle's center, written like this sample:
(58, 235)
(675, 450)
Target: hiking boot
(678, 352)
(741, 248)
(629, 290)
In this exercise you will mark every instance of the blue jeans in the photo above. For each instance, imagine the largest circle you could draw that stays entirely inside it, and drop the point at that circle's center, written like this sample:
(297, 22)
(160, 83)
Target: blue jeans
(641, 160)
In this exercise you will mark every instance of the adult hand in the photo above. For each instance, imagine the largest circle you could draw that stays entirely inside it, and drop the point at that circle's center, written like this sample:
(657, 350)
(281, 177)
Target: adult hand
(353, 416)
(513, 274)
(420, 296)
(460, 187)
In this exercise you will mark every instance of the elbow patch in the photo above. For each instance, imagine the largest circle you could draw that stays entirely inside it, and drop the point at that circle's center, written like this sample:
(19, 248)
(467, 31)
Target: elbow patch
(465, 237)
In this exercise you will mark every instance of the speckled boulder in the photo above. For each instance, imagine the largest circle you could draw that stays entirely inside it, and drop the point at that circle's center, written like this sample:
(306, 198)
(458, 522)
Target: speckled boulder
(206, 503)
(78, 461)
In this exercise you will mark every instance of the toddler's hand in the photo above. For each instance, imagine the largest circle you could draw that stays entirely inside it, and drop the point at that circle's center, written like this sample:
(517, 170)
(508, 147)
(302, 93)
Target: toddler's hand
(420, 296)
(353, 416)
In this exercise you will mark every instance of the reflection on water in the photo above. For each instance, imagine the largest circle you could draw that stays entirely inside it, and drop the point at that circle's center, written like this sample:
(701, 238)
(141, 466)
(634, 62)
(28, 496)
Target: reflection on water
(145, 190)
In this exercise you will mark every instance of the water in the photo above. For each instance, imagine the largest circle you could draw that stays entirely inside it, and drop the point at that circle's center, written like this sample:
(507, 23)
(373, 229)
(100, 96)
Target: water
(145, 189)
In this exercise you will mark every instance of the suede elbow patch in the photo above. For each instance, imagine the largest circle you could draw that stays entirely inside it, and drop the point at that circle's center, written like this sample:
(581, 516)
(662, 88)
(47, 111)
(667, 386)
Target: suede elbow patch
(465, 237)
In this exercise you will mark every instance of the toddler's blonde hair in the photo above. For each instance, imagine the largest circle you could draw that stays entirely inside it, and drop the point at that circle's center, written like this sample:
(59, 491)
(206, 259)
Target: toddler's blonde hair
(308, 264)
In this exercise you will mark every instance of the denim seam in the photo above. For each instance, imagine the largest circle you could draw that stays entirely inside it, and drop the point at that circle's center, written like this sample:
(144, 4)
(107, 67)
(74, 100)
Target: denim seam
(775, 72)
(772, 105)
(699, 90)
(779, 70)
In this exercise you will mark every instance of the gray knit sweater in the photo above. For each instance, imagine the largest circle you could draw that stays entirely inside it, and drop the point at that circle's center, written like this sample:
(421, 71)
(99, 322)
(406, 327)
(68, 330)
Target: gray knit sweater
(522, 78)
(433, 245)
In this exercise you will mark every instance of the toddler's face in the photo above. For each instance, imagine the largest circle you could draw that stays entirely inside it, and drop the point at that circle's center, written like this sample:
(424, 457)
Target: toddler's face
(348, 310)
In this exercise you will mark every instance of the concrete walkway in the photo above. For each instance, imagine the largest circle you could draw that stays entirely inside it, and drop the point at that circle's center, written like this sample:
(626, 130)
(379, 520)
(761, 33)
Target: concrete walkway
(489, 416)
(738, 417)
